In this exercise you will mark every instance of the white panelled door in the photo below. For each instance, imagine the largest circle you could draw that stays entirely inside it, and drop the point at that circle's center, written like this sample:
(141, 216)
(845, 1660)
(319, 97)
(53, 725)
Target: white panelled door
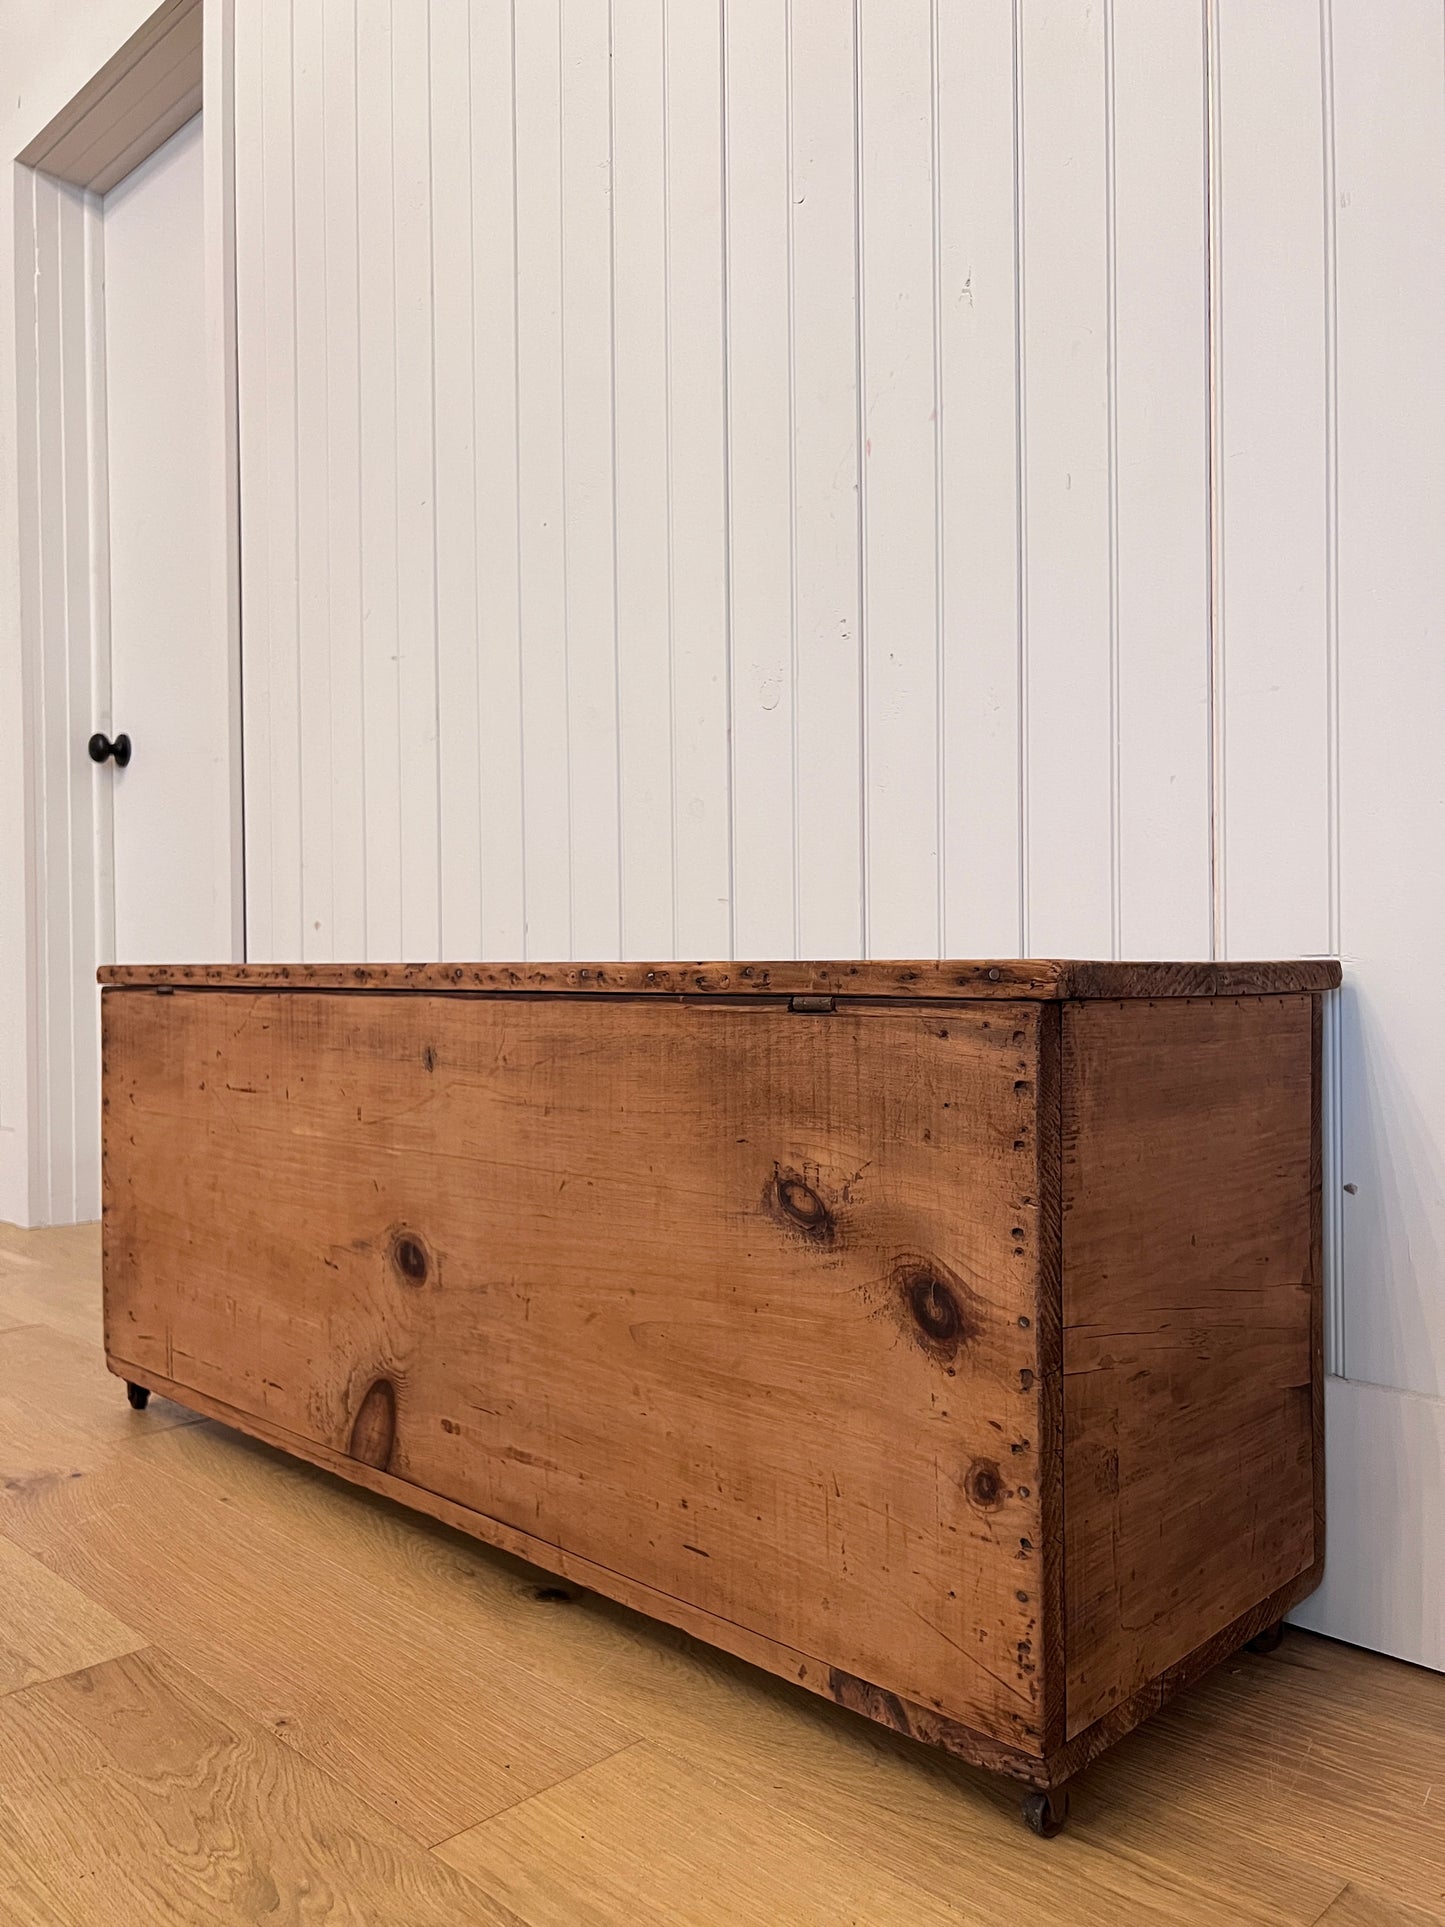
(169, 671)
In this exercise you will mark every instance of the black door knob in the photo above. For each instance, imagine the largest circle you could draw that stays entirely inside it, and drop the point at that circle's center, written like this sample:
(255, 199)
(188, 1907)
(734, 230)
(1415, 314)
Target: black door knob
(101, 746)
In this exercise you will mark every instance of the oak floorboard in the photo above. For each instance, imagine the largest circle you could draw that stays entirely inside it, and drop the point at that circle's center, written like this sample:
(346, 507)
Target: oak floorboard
(47, 1627)
(136, 1797)
(52, 1277)
(1367, 1907)
(421, 1714)
(1337, 1753)
(416, 1690)
(649, 1840)
(931, 1821)
(62, 1414)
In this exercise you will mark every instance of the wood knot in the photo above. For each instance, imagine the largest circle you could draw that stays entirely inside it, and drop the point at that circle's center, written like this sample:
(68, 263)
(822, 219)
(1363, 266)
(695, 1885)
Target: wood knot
(941, 1311)
(984, 1487)
(795, 1203)
(373, 1430)
(409, 1257)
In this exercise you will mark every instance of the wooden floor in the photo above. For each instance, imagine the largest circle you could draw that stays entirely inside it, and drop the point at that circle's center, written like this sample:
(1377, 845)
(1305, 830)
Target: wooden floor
(233, 1689)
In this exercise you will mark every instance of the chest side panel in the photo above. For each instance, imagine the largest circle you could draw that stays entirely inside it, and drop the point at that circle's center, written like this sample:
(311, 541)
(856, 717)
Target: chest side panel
(734, 1300)
(1190, 1306)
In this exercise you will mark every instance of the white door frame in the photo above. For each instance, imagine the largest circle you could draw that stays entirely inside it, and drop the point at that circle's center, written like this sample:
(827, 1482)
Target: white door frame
(180, 60)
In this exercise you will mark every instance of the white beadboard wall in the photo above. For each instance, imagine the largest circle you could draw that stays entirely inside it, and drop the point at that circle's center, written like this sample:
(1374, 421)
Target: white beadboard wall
(725, 479)
(904, 477)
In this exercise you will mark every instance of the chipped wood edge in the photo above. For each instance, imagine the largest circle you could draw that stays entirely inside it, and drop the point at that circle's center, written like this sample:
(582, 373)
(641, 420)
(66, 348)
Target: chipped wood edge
(1088, 981)
(1043, 979)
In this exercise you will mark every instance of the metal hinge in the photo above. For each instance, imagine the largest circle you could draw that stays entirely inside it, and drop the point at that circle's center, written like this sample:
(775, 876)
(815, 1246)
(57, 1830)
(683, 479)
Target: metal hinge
(811, 1003)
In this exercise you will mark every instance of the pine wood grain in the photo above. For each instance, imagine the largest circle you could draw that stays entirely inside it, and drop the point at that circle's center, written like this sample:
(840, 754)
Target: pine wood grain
(739, 1304)
(137, 1797)
(1047, 978)
(1190, 1294)
(48, 1628)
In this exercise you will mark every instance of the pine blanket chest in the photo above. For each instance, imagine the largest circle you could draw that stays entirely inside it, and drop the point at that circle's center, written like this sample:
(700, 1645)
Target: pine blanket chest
(944, 1337)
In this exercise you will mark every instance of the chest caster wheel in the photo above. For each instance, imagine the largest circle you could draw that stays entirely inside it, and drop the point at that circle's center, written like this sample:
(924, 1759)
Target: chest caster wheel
(1046, 1813)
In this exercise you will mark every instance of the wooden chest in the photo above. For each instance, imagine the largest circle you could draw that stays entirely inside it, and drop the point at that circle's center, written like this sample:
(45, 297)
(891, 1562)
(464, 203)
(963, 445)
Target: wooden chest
(944, 1337)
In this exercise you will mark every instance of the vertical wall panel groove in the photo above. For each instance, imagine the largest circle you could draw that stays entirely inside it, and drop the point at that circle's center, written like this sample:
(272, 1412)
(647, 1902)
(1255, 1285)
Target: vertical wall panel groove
(697, 352)
(339, 645)
(642, 531)
(458, 614)
(824, 452)
(1159, 386)
(252, 390)
(541, 481)
(860, 355)
(377, 438)
(729, 692)
(497, 714)
(1218, 789)
(1270, 488)
(979, 481)
(759, 474)
(1112, 417)
(795, 933)
(1021, 517)
(588, 510)
(940, 584)
(898, 459)
(416, 430)
(277, 526)
(318, 750)
(1065, 247)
